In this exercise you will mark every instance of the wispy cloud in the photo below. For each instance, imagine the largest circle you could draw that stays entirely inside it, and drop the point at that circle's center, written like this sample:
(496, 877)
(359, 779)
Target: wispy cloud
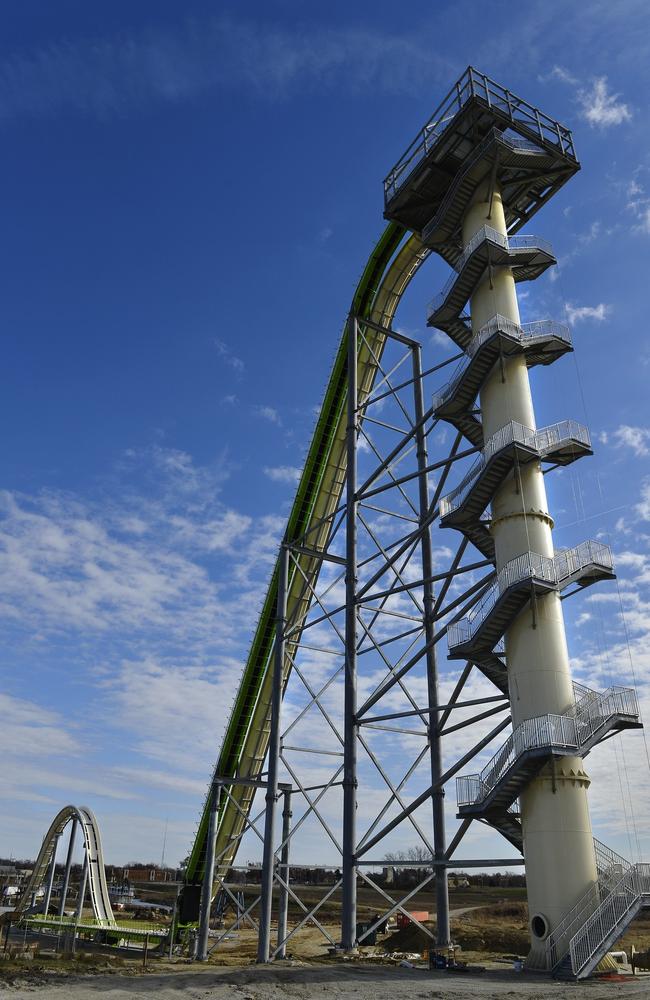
(282, 473)
(268, 413)
(120, 74)
(598, 106)
(635, 438)
(638, 203)
(229, 358)
(601, 108)
(576, 314)
(558, 73)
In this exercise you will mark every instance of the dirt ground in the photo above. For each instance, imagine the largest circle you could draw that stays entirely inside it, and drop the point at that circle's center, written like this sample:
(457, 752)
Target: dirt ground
(319, 981)
(490, 936)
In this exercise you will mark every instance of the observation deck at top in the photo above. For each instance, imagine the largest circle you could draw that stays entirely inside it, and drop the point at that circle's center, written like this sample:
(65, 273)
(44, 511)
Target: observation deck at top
(481, 131)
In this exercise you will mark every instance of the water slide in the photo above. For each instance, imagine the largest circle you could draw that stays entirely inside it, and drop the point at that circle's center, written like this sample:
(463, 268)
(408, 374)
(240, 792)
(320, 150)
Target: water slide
(99, 897)
(390, 267)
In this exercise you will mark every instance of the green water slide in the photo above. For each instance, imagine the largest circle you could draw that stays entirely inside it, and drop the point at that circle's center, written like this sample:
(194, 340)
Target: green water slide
(390, 267)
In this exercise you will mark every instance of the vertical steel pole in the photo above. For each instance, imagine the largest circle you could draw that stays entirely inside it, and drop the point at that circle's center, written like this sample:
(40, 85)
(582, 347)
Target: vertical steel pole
(349, 886)
(68, 865)
(208, 874)
(83, 882)
(50, 877)
(268, 862)
(438, 795)
(283, 903)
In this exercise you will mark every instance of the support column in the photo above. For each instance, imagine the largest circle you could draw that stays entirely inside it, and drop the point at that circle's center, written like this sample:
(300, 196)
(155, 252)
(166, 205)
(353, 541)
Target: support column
(83, 882)
(349, 872)
(558, 842)
(438, 794)
(50, 877)
(268, 857)
(283, 902)
(208, 874)
(68, 865)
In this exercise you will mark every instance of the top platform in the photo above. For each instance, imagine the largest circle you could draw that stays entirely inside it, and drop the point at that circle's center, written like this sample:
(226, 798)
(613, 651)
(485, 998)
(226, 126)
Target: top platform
(455, 137)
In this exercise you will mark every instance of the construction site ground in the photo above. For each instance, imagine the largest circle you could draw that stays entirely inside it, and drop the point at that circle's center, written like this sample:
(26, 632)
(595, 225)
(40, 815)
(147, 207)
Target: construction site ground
(492, 934)
(312, 981)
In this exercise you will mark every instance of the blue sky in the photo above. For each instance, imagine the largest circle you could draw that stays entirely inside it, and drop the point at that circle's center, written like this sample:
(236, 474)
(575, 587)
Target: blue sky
(190, 193)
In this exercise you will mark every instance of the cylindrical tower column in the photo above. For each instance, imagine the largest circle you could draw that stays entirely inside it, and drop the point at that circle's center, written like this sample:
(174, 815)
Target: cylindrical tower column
(558, 842)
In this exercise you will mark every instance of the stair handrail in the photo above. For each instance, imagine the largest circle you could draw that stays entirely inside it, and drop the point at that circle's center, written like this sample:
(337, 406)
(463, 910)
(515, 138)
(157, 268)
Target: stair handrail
(527, 333)
(531, 565)
(485, 234)
(571, 561)
(610, 867)
(570, 731)
(474, 84)
(523, 567)
(542, 441)
(623, 895)
(541, 731)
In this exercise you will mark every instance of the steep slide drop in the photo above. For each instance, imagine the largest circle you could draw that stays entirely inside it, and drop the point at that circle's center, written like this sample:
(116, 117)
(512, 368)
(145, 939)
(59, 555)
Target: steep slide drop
(99, 896)
(390, 267)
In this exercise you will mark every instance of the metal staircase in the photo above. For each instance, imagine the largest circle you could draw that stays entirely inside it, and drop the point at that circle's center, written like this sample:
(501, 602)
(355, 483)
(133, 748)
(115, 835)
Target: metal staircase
(590, 719)
(512, 159)
(521, 580)
(542, 343)
(527, 256)
(604, 913)
(513, 445)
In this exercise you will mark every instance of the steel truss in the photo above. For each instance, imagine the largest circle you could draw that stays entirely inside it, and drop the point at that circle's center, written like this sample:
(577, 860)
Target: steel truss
(359, 731)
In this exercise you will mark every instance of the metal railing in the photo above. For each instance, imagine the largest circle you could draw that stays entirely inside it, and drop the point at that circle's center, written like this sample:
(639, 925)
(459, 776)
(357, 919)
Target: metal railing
(571, 561)
(531, 566)
(611, 867)
(483, 235)
(527, 566)
(623, 897)
(473, 84)
(542, 441)
(527, 334)
(570, 731)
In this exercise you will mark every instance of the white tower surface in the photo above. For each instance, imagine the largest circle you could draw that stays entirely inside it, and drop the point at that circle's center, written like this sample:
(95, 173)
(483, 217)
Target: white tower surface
(558, 841)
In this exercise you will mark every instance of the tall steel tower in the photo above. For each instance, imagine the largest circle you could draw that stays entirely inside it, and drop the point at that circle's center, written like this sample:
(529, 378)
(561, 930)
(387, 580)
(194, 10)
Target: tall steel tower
(477, 172)
(341, 696)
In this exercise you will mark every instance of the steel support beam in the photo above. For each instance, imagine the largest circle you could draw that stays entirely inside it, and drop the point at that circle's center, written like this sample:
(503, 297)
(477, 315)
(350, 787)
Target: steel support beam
(438, 792)
(208, 875)
(83, 882)
(349, 871)
(283, 902)
(68, 866)
(50, 877)
(268, 859)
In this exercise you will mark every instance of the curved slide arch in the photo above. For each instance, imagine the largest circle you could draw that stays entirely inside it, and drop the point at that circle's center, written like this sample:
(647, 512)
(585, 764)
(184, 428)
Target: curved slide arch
(391, 266)
(96, 872)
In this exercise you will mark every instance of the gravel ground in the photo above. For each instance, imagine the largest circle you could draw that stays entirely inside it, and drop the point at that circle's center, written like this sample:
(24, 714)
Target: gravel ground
(319, 982)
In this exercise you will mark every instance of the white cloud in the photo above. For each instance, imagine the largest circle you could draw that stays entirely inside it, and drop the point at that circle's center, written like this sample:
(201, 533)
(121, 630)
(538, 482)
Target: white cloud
(268, 413)
(636, 438)
(120, 74)
(601, 108)
(229, 358)
(576, 314)
(638, 203)
(643, 507)
(558, 73)
(32, 730)
(282, 473)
